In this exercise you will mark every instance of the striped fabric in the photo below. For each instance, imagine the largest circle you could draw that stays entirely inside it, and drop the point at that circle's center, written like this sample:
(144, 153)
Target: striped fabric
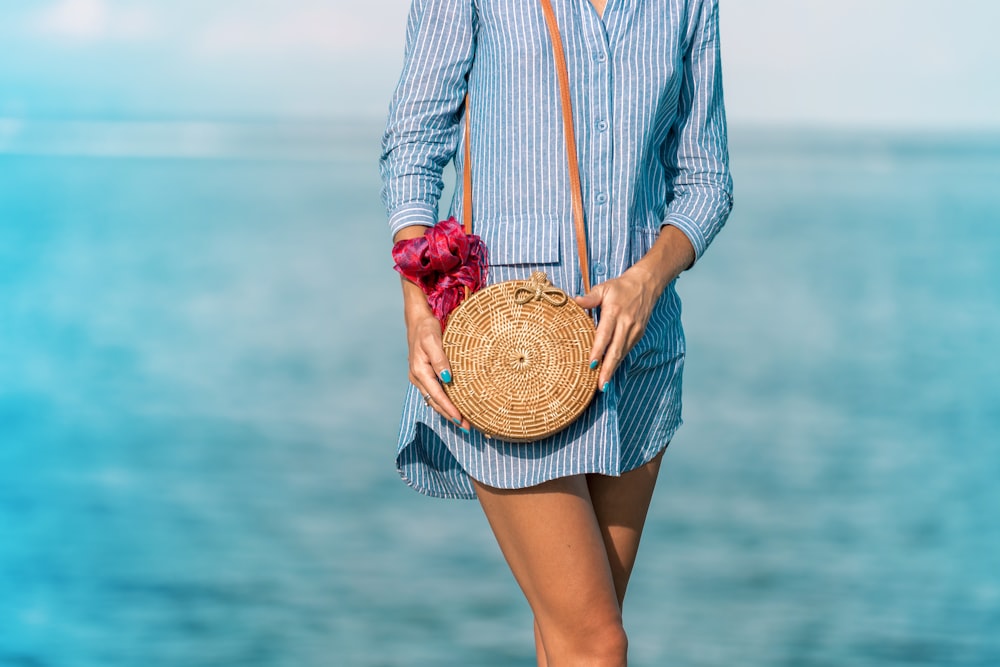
(651, 139)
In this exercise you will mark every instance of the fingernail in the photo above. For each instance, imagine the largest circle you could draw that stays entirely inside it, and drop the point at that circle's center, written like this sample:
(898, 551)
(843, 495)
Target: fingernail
(446, 376)
(593, 364)
(464, 430)
(607, 385)
(457, 421)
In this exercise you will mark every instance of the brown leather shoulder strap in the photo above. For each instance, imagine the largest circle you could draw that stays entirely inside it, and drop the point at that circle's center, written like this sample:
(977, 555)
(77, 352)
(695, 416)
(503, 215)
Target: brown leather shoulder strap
(576, 190)
(467, 172)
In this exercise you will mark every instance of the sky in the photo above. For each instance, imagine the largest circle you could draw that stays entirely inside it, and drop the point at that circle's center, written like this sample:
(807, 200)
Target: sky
(896, 63)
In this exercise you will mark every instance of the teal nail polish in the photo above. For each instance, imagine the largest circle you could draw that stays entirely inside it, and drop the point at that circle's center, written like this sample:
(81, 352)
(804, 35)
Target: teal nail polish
(593, 364)
(607, 385)
(461, 428)
(446, 376)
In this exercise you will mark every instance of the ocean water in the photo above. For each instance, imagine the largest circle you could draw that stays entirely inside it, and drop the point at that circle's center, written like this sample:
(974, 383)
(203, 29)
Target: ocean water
(202, 359)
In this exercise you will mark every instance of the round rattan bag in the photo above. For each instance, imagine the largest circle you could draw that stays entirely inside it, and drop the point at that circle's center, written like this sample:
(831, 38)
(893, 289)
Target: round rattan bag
(519, 352)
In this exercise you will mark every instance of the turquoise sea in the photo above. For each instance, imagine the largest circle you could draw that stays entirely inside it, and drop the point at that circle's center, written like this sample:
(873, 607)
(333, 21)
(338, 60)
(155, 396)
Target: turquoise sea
(202, 360)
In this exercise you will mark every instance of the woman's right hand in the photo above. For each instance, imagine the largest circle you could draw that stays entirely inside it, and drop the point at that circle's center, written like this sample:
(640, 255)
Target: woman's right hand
(429, 366)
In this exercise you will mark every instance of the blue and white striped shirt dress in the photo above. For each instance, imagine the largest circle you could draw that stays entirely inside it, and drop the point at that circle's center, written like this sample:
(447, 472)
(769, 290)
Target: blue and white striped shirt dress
(651, 139)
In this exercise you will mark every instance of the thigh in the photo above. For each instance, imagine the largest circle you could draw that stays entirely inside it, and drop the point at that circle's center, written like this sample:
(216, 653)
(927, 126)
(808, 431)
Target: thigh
(620, 506)
(550, 537)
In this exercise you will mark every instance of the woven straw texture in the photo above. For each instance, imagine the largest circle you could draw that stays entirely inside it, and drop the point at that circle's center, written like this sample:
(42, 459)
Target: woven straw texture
(519, 353)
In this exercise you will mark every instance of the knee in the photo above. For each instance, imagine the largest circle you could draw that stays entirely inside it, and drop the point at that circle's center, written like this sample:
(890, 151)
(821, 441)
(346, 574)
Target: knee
(608, 645)
(595, 643)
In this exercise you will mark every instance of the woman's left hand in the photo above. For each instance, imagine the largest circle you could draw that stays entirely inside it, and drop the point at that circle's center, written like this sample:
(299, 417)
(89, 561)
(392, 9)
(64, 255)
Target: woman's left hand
(627, 301)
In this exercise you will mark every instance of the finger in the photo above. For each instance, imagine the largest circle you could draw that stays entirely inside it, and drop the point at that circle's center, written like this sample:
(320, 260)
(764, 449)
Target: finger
(430, 353)
(430, 388)
(612, 358)
(447, 410)
(592, 299)
(602, 339)
(430, 372)
(429, 367)
(433, 350)
(627, 334)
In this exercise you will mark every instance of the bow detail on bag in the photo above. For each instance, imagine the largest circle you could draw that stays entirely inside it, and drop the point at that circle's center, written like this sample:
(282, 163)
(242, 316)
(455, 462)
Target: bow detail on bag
(540, 289)
(444, 262)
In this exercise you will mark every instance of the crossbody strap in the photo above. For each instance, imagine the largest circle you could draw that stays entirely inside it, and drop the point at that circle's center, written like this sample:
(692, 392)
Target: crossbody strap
(576, 191)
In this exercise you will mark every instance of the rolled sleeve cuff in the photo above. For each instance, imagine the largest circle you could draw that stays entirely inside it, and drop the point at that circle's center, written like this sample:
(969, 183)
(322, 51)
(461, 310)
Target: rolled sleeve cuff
(412, 214)
(691, 230)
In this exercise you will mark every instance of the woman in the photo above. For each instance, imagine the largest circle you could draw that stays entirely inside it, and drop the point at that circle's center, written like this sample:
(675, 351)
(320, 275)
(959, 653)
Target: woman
(567, 511)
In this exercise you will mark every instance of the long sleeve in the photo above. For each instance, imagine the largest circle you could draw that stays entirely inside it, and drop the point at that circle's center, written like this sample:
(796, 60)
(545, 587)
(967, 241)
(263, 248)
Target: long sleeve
(696, 152)
(422, 131)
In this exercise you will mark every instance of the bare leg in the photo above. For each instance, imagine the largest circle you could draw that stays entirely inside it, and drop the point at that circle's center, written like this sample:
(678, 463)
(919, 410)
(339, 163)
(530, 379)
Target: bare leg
(552, 541)
(540, 648)
(621, 504)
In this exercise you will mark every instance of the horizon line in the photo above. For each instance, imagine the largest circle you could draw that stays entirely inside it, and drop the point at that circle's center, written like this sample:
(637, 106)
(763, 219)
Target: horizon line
(326, 139)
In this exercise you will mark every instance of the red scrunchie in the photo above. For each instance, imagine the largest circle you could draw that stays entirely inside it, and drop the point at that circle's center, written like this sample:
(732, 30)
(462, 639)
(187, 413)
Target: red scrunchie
(443, 262)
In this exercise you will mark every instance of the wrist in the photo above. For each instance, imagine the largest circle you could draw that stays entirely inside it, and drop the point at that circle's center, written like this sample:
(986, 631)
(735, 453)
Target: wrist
(414, 301)
(652, 275)
(671, 254)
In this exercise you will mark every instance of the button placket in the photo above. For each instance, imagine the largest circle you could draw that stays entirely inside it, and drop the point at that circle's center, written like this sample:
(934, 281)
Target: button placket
(599, 142)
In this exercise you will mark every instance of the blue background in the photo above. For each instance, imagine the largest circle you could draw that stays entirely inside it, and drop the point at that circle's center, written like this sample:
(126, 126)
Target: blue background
(202, 360)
